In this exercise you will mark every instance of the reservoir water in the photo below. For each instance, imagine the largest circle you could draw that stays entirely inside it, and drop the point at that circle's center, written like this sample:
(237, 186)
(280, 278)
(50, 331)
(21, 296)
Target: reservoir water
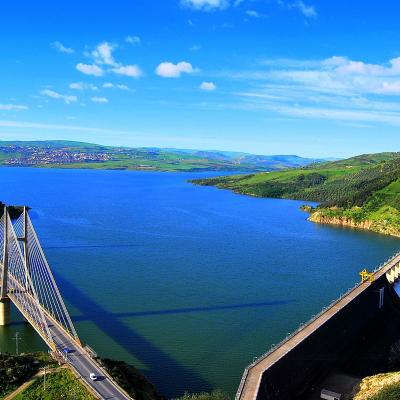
(188, 283)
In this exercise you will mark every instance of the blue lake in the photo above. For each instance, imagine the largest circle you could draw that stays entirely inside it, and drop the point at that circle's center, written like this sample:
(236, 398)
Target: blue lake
(188, 283)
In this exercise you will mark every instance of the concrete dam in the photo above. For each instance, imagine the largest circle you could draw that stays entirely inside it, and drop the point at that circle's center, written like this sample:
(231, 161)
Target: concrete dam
(356, 336)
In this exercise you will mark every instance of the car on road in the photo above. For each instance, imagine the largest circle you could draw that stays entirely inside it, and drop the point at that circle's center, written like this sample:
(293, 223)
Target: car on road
(67, 350)
(93, 376)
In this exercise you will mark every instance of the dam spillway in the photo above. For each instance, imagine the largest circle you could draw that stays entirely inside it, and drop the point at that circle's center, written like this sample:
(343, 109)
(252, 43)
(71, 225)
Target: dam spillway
(357, 335)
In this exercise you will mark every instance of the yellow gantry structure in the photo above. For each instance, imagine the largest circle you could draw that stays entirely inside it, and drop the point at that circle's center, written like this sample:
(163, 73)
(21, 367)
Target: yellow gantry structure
(367, 276)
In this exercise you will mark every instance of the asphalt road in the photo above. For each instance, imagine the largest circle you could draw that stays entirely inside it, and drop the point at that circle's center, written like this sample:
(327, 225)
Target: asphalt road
(84, 365)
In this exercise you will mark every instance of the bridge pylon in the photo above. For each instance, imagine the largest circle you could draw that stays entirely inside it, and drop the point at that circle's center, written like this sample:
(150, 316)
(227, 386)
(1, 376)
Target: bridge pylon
(5, 311)
(5, 304)
(27, 280)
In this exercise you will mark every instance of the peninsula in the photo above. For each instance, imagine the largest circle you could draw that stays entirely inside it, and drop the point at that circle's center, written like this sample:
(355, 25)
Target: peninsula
(360, 192)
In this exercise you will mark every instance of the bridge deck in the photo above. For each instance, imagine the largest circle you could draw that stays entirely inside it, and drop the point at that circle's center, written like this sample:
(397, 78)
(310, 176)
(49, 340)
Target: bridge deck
(252, 379)
(84, 365)
(26, 278)
(78, 358)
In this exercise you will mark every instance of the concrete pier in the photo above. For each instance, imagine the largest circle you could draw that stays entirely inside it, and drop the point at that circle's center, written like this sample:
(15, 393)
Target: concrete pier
(5, 311)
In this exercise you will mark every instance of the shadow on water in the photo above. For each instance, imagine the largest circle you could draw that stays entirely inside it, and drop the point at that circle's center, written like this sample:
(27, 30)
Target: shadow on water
(93, 246)
(190, 310)
(163, 370)
(17, 323)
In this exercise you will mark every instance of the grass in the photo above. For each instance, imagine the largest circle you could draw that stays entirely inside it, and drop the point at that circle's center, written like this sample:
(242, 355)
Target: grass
(47, 154)
(67, 154)
(63, 384)
(391, 392)
(384, 386)
(152, 165)
(15, 370)
(381, 209)
(214, 395)
(363, 190)
(59, 385)
(259, 183)
(131, 380)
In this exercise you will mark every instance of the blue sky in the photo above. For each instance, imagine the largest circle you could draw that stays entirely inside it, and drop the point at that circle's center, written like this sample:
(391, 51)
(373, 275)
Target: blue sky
(314, 78)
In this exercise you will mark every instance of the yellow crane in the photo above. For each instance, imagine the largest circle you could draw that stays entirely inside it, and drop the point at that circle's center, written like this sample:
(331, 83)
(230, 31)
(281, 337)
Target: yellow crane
(367, 276)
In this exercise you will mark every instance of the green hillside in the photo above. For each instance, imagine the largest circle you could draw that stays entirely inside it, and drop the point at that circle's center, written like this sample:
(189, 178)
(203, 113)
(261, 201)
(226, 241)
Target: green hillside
(68, 154)
(362, 191)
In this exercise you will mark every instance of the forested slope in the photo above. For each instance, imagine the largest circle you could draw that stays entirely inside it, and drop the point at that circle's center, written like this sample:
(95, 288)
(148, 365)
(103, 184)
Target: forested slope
(362, 191)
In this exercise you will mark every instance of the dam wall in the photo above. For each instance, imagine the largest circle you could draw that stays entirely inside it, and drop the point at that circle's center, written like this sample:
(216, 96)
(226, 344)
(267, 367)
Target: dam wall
(343, 338)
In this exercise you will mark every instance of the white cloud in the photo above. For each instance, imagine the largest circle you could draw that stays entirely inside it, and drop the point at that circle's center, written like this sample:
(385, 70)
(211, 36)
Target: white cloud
(389, 88)
(109, 85)
(123, 87)
(342, 114)
(135, 40)
(132, 71)
(13, 107)
(99, 100)
(104, 62)
(307, 11)
(83, 86)
(103, 54)
(61, 48)
(206, 5)
(209, 86)
(170, 70)
(58, 96)
(335, 74)
(335, 88)
(293, 63)
(316, 107)
(77, 86)
(41, 125)
(254, 14)
(90, 69)
(196, 47)
(209, 5)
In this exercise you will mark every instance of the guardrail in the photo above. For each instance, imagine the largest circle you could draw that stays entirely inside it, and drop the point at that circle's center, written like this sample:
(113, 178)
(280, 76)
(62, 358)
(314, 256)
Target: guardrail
(304, 325)
(92, 353)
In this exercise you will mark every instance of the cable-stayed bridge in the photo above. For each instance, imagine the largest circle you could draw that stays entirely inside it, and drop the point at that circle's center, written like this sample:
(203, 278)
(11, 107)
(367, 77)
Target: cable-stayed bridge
(27, 281)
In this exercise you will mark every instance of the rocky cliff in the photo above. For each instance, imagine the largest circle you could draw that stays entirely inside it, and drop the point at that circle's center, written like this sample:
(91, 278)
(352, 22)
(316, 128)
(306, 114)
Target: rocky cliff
(379, 226)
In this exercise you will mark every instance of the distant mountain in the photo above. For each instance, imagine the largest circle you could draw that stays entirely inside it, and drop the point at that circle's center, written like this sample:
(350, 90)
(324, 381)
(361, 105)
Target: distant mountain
(70, 154)
(271, 162)
(279, 161)
(361, 192)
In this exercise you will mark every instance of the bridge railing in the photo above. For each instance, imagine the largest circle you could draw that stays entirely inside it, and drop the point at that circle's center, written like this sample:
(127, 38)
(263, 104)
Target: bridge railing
(303, 325)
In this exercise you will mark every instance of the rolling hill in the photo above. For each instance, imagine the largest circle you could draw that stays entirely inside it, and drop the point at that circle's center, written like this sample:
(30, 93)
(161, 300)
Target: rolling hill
(68, 154)
(362, 191)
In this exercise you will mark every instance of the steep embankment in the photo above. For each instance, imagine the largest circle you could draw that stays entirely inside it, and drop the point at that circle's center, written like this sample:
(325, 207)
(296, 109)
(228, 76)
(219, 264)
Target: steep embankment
(131, 380)
(379, 387)
(361, 192)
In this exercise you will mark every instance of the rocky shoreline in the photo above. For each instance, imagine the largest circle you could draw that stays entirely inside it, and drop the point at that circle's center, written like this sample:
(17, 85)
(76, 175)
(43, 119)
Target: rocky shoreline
(382, 227)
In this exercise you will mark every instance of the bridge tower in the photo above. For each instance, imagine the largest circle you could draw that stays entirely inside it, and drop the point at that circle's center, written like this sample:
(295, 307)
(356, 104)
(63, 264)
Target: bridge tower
(5, 304)
(24, 240)
(27, 280)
